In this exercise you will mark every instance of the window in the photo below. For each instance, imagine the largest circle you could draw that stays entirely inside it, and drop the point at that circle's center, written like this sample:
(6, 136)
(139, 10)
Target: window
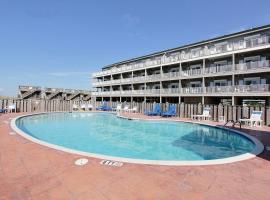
(252, 81)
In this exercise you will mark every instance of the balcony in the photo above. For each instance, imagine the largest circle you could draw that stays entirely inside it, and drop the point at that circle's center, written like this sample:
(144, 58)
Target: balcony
(138, 79)
(191, 72)
(184, 55)
(192, 90)
(265, 64)
(218, 69)
(226, 90)
(153, 77)
(175, 91)
(170, 75)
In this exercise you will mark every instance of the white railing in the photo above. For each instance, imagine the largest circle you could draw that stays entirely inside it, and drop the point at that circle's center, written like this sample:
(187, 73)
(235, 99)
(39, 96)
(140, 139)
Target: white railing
(252, 65)
(219, 89)
(190, 54)
(192, 90)
(256, 88)
(192, 72)
(126, 80)
(170, 75)
(217, 69)
(153, 77)
(170, 91)
(138, 79)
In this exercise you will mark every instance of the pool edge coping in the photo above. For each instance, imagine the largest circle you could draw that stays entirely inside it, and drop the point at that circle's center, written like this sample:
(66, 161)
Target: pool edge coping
(259, 147)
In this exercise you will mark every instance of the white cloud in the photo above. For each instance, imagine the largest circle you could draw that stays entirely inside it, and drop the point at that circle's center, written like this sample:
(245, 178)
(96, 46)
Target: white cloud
(131, 20)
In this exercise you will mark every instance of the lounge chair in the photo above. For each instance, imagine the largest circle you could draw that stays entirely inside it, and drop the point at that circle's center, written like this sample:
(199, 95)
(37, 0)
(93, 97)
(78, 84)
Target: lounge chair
(117, 108)
(11, 108)
(75, 107)
(83, 107)
(3, 110)
(204, 116)
(104, 107)
(171, 111)
(125, 109)
(89, 107)
(155, 112)
(133, 110)
(254, 120)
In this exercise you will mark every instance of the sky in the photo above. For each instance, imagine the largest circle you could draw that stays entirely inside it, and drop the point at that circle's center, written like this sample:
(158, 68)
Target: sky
(59, 43)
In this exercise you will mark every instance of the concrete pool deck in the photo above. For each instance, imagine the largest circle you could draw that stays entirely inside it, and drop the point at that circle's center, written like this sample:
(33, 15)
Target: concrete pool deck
(32, 171)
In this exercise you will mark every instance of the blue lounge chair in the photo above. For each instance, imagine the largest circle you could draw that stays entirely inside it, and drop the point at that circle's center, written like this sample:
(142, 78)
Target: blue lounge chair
(3, 110)
(104, 107)
(155, 112)
(171, 111)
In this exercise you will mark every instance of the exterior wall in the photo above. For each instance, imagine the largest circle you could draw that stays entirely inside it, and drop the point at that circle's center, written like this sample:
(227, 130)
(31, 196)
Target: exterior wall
(224, 68)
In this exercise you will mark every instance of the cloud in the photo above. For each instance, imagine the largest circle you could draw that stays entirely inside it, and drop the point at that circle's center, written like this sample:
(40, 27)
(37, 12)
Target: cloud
(65, 74)
(130, 20)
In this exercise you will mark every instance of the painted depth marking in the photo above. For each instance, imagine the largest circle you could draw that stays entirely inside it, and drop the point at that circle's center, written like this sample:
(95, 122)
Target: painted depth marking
(81, 161)
(111, 163)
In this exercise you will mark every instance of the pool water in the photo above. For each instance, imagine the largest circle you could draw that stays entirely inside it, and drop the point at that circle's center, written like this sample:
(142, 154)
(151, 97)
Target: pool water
(106, 134)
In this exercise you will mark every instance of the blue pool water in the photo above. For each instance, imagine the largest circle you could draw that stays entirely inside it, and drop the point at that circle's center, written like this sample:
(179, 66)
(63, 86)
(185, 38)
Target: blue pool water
(106, 134)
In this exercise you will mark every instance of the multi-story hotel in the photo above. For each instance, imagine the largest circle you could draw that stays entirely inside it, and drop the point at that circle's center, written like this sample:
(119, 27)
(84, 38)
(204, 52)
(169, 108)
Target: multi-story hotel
(232, 69)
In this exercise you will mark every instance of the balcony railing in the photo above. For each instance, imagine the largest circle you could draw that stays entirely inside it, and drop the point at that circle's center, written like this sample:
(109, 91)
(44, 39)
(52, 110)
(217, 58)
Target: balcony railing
(191, 54)
(246, 89)
(26, 88)
(191, 72)
(265, 64)
(192, 90)
(252, 65)
(170, 91)
(218, 69)
(171, 75)
(138, 79)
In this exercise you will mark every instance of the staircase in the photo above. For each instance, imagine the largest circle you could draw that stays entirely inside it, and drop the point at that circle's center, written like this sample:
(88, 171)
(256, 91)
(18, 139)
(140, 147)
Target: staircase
(27, 94)
(51, 96)
(71, 97)
(87, 97)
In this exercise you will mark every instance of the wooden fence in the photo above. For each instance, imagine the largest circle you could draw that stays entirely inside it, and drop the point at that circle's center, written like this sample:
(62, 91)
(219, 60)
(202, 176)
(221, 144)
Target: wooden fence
(228, 112)
(183, 110)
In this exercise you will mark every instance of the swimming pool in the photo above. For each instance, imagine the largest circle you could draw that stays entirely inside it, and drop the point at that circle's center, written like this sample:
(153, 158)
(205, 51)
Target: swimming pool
(105, 135)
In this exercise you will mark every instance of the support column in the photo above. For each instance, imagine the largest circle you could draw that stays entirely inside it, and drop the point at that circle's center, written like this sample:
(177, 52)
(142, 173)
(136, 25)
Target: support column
(160, 84)
(203, 100)
(233, 101)
(233, 69)
(203, 80)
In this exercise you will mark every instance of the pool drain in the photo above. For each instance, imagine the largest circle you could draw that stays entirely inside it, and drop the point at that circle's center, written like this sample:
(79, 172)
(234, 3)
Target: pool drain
(111, 163)
(81, 161)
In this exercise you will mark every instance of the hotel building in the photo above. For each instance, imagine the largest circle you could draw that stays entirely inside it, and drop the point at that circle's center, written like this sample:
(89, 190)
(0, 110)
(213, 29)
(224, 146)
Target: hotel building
(231, 69)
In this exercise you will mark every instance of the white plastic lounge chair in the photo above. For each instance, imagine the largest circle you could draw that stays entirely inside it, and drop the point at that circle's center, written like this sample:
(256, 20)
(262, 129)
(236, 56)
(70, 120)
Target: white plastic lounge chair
(11, 108)
(133, 110)
(83, 107)
(89, 106)
(126, 108)
(254, 120)
(118, 107)
(75, 107)
(204, 116)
